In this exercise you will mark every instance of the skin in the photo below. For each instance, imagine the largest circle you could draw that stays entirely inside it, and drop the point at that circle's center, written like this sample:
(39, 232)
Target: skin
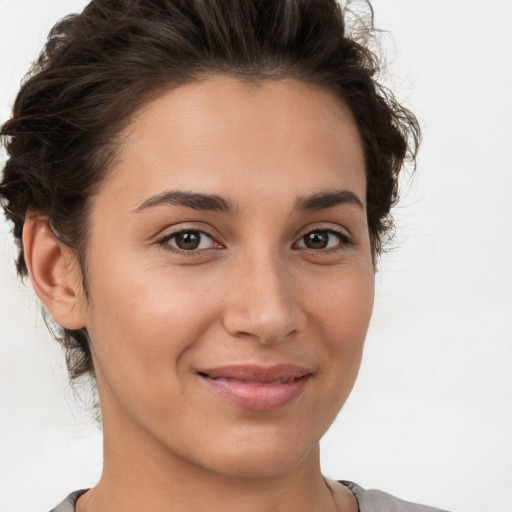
(254, 292)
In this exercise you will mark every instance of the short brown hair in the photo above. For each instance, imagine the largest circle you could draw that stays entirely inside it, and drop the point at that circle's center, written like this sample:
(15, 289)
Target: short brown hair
(99, 67)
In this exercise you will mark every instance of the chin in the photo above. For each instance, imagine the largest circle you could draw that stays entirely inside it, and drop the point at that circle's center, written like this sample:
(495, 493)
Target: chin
(260, 456)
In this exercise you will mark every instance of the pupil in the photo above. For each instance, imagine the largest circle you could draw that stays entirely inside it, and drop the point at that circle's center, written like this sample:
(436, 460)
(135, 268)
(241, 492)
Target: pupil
(188, 241)
(317, 240)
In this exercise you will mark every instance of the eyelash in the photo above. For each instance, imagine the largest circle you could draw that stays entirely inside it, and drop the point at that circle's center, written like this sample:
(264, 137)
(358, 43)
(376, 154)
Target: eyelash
(164, 243)
(344, 241)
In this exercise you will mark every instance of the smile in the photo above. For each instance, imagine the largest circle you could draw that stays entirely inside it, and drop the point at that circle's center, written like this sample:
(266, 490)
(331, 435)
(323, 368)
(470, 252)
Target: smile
(255, 387)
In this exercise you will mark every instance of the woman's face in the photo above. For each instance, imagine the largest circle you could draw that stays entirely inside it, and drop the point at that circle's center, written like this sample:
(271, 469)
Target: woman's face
(230, 275)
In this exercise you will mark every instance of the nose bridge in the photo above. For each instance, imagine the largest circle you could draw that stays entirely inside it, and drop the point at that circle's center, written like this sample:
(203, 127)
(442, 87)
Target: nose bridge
(262, 301)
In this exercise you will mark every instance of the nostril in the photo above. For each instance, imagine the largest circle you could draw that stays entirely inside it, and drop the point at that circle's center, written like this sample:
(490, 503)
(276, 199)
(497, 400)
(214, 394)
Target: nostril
(267, 309)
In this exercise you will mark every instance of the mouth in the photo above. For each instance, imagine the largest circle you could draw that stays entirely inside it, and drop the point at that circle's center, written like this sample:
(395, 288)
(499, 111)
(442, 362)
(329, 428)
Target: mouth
(257, 387)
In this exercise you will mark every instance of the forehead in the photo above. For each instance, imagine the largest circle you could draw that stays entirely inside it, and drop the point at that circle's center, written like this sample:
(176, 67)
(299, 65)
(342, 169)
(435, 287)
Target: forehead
(220, 134)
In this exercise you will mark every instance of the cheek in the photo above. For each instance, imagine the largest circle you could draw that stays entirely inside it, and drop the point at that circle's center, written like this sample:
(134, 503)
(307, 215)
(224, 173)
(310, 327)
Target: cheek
(344, 303)
(339, 317)
(144, 322)
(343, 314)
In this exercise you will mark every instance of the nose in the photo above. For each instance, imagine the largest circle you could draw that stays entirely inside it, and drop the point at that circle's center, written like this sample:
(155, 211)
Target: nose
(262, 301)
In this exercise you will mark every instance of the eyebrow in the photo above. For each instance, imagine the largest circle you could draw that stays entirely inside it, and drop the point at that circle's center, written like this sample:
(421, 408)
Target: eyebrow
(194, 200)
(216, 203)
(328, 199)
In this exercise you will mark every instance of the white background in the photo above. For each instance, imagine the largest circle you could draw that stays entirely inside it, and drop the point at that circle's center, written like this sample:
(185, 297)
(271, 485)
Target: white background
(430, 419)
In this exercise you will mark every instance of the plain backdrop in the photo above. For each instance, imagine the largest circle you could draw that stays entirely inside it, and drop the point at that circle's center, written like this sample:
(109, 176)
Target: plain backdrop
(430, 418)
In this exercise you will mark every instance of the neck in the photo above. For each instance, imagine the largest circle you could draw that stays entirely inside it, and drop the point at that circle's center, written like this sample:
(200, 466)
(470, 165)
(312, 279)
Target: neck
(140, 480)
(138, 484)
(140, 473)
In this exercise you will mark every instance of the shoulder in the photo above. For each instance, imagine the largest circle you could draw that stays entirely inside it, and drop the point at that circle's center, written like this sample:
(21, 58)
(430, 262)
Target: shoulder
(68, 505)
(378, 501)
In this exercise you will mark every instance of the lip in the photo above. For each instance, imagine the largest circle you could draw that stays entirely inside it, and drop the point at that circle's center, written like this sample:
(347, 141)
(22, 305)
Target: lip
(260, 388)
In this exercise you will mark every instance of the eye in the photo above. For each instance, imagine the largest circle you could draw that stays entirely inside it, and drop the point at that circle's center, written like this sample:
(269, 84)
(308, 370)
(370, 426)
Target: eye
(322, 239)
(188, 240)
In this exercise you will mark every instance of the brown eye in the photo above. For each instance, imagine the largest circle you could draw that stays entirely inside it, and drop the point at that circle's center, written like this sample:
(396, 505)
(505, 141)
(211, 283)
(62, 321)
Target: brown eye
(323, 239)
(316, 240)
(190, 240)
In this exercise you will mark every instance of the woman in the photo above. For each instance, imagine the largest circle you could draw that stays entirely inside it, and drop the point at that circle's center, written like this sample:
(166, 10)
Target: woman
(200, 191)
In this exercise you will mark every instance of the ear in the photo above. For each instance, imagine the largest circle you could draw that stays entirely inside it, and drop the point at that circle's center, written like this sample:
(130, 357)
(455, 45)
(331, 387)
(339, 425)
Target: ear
(53, 272)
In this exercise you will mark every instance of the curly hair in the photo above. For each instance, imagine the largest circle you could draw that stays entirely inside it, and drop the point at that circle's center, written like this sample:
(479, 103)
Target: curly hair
(101, 66)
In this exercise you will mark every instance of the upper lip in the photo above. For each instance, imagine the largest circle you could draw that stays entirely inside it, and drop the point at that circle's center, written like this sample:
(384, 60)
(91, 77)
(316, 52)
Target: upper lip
(256, 373)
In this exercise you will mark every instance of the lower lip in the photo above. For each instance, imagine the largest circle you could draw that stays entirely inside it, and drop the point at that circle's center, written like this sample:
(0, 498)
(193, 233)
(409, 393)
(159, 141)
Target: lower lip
(258, 397)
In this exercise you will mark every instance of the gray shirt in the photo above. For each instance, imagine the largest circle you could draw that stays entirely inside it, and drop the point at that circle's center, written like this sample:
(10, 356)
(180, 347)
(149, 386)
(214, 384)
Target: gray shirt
(369, 501)
(378, 501)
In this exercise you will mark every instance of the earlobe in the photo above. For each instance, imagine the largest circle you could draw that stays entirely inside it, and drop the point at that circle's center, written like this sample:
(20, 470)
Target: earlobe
(53, 272)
